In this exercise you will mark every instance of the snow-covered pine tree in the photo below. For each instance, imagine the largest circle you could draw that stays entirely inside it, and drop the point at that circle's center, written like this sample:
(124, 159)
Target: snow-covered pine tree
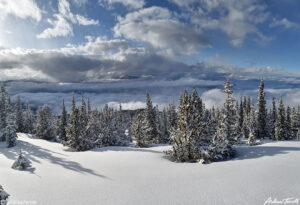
(83, 118)
(252, 120)
(298, 134)
(295, 122)
(75, 140)
(28, 120)
(241, 114)
(45, 126)
(149, 125)
(261, 112)
(89, 109)
(21, 163)
(199, 127)
(11, 129)
(137, 131)
(19, 115)
(288, 123)
(225, 137)
(230, 118)
(171, 116)
(3, 113)
(93, 131)
(3, 196)
(63, 124)
(183, 144)
(280, 129)
(273, 118)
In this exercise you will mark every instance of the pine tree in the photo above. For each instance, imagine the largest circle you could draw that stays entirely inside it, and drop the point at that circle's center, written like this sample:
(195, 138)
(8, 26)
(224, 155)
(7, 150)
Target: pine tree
(45, 127)
(19, 115)
(225, 137)
(261, 112)
(28, 120)
(3, 196)
(294, 125)
(137, 132)
(280, 129)
(21, 163)
(75, 140)
(288, 123)
(3, 113)
(83, 118)
(171, 116)
(273, 118)
(63, 123)
(184, 144)
(149, 125)
(11, 130)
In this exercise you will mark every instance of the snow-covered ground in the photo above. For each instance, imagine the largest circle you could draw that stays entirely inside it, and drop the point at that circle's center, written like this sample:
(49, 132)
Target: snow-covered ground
(124, 175)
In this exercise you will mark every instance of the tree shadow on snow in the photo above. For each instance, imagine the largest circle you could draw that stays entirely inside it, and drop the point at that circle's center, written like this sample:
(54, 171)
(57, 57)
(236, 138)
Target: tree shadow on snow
(123, 149)
(34, 153)
(252, 152)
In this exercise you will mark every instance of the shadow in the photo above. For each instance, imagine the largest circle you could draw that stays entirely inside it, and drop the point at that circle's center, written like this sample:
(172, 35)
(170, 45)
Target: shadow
(252, 152)
(35, 153)
(123, 149)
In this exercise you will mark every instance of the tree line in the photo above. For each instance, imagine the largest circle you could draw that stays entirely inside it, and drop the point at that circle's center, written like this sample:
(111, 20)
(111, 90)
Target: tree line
(195, 132)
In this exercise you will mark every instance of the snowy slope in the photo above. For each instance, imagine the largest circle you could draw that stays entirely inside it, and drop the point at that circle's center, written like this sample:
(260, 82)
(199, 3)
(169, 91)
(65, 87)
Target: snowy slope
(122, 175)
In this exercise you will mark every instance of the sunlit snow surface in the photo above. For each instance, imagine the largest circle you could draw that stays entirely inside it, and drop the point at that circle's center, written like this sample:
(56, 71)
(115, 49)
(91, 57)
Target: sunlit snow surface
(125, 175)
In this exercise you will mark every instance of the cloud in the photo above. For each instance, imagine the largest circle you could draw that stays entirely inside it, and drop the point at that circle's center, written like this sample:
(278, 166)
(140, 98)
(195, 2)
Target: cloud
(235, 18)
(213, 98)
(63, 20)
(85, 21)
(157, 26)
(284, 23)
(60, 27)
(22, 9)
(130, 4)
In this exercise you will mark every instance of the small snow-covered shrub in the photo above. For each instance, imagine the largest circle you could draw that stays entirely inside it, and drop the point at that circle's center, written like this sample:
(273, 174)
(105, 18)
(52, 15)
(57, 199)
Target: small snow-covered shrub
(3, 196)
(21, 163)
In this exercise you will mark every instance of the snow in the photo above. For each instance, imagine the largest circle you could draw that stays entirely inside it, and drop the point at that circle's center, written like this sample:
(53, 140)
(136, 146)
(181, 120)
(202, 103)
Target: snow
(127, 175)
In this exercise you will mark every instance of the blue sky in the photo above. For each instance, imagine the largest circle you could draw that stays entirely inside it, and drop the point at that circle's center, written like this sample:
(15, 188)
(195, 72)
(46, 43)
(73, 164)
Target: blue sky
(73, 44)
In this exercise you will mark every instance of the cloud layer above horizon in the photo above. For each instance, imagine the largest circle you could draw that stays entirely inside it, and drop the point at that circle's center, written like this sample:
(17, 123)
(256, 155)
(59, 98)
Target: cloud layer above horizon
(114, 51)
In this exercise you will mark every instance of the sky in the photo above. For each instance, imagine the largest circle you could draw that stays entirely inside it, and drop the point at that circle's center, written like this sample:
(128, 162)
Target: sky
(115, 50)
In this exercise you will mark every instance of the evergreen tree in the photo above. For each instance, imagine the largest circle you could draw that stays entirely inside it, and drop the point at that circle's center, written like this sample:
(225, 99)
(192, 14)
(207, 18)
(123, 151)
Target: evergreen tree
(10, 130)
(3, 113)
(225, 137)
(184, 143)
(45, 126)
(63, 123)
(280, 129)
(75, 140)
(21, 163)
(261, 112)
(3, 196)
(288, 123)
(149, 125)
(137, 132)
(294, 126)
(273, 118)
(19, 115)
(28, 120)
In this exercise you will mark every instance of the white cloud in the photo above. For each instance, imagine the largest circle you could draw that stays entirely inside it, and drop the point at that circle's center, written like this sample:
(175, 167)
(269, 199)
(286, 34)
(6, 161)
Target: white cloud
(284, 23)
(213, 97)
(21, 9)
(131, 4)
(61, 25)
(235, 18)
(157, 26)
(85, 21)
